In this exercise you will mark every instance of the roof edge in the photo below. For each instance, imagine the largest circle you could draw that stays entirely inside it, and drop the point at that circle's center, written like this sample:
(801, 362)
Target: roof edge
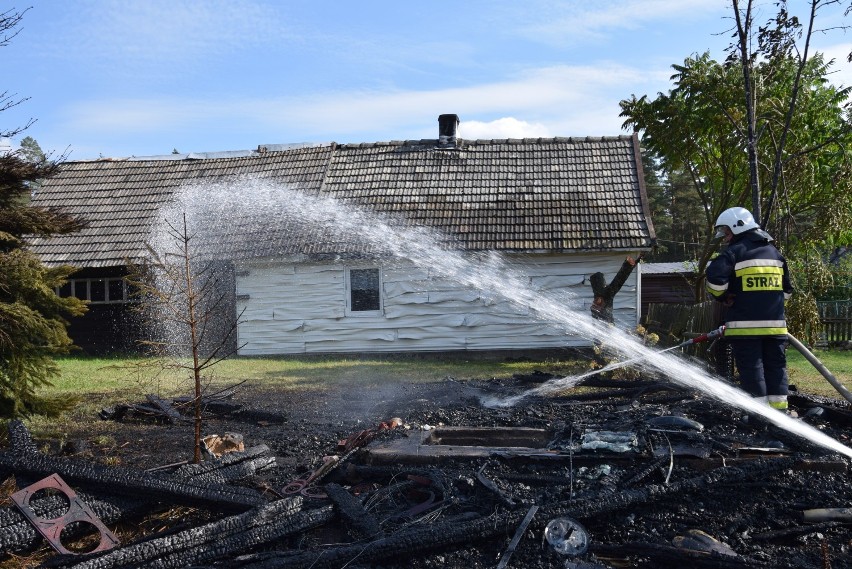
(431, 142)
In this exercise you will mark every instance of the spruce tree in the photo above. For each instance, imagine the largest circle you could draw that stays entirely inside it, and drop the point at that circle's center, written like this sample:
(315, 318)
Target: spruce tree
(32, 316)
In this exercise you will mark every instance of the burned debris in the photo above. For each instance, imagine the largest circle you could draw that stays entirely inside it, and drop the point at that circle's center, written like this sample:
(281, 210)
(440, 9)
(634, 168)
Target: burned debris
(616, 476)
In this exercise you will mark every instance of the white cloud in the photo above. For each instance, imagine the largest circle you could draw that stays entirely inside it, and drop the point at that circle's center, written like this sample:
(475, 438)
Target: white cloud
(541, 94)
(545, 102)
(506, 127)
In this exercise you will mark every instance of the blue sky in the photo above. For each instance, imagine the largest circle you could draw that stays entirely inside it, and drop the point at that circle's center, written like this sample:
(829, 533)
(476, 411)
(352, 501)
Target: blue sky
(117, 78)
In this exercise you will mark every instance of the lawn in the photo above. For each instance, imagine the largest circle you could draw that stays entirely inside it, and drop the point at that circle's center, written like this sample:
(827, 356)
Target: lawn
(127, 378)
(124, 377)
(808, 380)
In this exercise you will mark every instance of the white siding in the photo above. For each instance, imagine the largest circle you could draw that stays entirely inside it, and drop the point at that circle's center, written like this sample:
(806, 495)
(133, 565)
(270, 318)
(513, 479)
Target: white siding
(300, 308)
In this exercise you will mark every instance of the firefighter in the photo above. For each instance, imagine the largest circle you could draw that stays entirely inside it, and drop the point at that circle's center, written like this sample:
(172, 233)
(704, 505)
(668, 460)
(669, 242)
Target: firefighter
(750, 278)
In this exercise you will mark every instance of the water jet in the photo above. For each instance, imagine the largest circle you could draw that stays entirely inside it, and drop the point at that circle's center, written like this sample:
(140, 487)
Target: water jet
(489, 276)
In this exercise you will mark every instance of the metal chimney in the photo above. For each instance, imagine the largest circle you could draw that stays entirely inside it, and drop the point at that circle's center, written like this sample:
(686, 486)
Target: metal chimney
(447, 126)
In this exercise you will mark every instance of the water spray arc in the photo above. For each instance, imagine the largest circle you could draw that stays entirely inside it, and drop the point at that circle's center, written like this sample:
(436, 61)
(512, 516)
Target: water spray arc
(271, 203)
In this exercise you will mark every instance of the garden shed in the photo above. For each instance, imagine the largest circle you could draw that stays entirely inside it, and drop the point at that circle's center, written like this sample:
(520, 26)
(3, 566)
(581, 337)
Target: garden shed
(667, 283)
(556, 210)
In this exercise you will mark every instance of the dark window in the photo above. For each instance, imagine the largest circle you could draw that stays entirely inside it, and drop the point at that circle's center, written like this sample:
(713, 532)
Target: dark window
(116, 290)
(97, 290)
(364, 290)
(81, 290)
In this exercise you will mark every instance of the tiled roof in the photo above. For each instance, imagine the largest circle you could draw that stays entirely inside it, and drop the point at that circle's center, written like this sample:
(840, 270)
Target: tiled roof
(556, 194)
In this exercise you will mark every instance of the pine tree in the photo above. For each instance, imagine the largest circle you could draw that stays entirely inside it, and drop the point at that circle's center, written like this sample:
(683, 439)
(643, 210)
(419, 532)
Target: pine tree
(32, 315)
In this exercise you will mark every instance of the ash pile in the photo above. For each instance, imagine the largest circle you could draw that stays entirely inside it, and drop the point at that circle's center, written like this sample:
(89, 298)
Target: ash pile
(618, 474)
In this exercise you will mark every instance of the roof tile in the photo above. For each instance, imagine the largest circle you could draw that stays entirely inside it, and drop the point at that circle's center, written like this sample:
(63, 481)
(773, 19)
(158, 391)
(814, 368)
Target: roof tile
(565, 194)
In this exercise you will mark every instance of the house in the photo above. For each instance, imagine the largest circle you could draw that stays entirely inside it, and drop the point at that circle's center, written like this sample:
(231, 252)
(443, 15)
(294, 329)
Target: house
(555, 209)
(667, 283)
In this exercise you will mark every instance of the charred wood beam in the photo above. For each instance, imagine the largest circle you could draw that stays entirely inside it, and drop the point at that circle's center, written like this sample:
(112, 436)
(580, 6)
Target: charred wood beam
(645, 472)
(668, 556)
(165, 408)
(237, 471)
(140, 410)
(20, 439)
(230, 466)
(836, 414)
(513, 545)
(606, 503)
(214, 541)
(415, 540)
(492, 487)
(17, 534)
(362, 523)
(240, 413)
(133, 483)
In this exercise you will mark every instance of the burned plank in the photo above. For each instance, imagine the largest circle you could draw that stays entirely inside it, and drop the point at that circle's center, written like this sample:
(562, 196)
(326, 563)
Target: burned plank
(606, 503)
(230, 466)
(362, 523)
(20, 439)
(835, 412)
(53, 528)
(492, 487)
(216, 540)
(170, 413)
(513, 545)
(412, 541)
(126, 481)
(17, 534)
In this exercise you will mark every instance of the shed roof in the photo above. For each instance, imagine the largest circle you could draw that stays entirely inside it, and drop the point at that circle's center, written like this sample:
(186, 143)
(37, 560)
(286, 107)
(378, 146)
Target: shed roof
(671, 268)
(554, 194)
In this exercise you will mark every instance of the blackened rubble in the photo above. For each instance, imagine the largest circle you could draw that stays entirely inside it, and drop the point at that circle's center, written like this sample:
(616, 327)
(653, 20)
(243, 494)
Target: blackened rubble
(656, 476)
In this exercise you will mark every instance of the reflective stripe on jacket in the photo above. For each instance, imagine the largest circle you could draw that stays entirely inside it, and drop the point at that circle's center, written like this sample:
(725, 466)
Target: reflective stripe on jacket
(752, 274)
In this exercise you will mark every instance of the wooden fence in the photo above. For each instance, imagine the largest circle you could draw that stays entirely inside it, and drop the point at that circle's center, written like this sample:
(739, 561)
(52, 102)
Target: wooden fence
(836, 318)
(677, 322)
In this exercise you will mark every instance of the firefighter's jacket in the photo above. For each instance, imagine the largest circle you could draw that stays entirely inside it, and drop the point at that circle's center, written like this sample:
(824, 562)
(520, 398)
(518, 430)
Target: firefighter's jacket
(751, 276)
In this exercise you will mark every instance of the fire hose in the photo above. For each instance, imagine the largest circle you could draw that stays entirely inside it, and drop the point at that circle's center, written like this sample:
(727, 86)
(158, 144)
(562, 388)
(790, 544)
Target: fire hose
(820, 367)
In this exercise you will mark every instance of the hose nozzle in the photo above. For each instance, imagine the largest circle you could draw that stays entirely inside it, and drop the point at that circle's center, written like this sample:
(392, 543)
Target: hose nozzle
(720, 331)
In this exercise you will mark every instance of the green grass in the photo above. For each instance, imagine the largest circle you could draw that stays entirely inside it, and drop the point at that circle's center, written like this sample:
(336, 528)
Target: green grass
(104, 381)
(808, 379)
(124, 377)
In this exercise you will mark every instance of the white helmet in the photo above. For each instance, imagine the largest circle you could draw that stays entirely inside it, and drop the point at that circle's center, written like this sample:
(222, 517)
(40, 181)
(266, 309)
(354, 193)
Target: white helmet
(738, 219)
